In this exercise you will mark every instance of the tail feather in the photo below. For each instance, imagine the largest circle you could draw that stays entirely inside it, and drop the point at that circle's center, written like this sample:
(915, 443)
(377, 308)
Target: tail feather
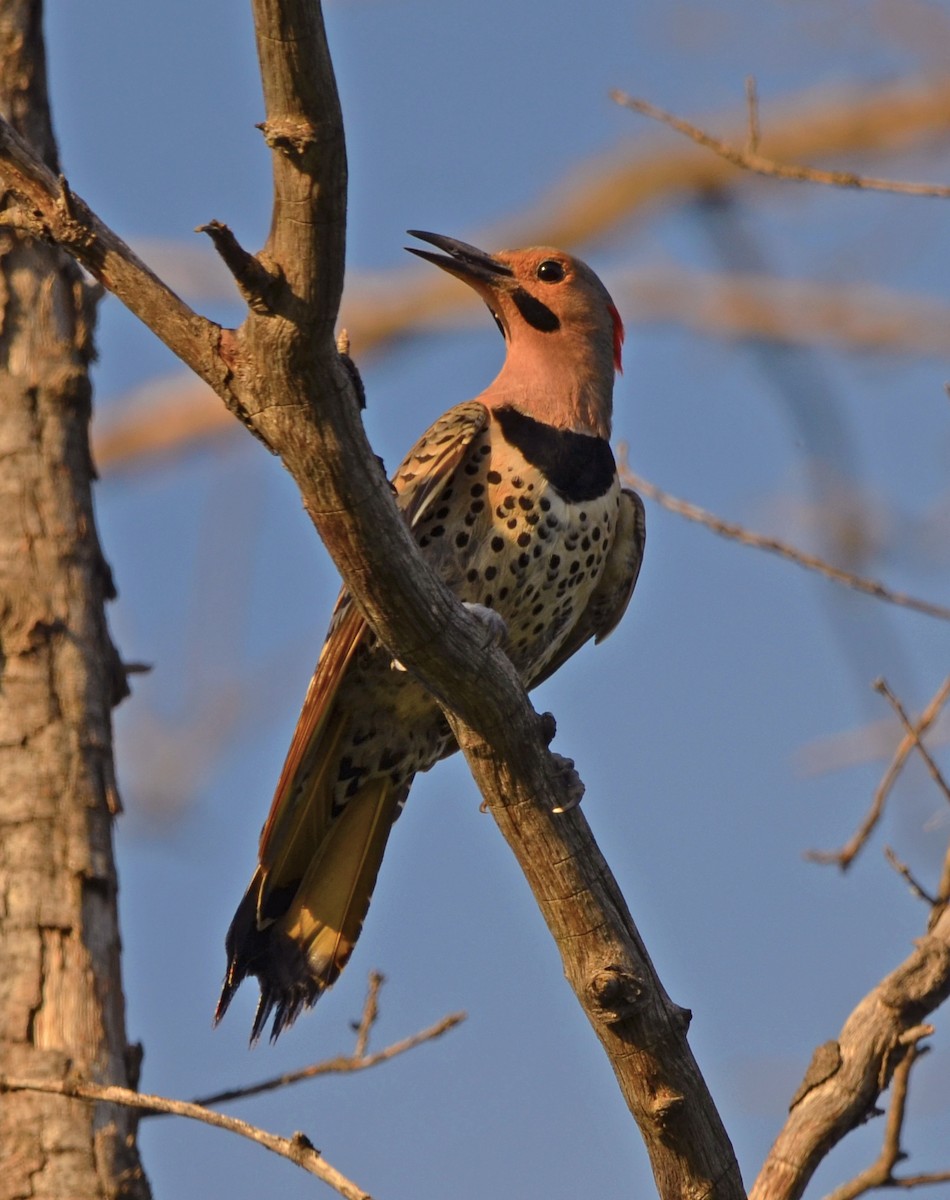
(296, 938)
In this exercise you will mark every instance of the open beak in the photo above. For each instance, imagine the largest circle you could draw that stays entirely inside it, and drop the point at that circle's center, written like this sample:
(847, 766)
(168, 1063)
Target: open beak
(460, 259)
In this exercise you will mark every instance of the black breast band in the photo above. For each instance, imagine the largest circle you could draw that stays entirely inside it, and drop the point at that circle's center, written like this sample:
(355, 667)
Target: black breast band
(578, 466)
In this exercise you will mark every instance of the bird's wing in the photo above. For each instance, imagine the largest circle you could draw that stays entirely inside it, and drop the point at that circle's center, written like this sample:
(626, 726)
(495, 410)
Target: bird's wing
(302, 807)
(432, 461)
(609, 600)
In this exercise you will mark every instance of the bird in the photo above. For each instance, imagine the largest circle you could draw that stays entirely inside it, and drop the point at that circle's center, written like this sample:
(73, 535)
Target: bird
(515, 500)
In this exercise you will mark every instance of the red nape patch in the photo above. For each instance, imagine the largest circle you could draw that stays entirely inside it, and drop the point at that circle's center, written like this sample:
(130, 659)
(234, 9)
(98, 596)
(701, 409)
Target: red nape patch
(618, 337)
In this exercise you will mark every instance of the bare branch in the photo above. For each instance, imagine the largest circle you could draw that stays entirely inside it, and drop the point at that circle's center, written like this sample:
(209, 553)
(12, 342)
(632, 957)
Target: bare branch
(181, 413)
(46, 208)
(841, 1087)
(343, 1065)
(752, 103)
(845, 856)
(881, 1172)
(255, 283)
(935, 773)
(904, 870)
(751, 161)
(745, 537)
(370, 1013)
(298, 1148)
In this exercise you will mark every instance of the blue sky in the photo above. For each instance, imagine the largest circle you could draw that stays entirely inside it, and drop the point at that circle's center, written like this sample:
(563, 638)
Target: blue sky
(688, 726)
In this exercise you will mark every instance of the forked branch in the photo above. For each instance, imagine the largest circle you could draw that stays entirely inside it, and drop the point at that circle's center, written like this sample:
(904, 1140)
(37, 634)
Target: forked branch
(750, 160)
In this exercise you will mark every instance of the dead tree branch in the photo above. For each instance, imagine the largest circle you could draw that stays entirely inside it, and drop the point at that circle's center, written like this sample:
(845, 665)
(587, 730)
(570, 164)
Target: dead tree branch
(881, 1172)
(359, 1060)
(745, 537)
(749, 160)
(845, 856)
(841, 1088)
(298, 1148)
(910, 732)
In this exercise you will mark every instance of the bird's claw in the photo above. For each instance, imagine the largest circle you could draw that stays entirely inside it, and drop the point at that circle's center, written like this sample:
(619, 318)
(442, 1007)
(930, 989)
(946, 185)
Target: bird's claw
(493, 623)
(571, 784)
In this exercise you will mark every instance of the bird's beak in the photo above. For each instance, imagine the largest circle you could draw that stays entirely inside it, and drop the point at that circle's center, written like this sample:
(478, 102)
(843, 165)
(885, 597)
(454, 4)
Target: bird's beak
(460, 259)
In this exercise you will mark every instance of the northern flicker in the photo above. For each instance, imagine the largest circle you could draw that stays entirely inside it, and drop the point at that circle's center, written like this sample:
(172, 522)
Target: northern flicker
(514, 499)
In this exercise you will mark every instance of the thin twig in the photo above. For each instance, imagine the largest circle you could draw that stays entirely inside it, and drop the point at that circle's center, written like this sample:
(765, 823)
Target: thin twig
(914, 884)
(745, 537)
(298, 1148)
(370, 1013)
(750, 161)
(845, 856)
(752, 103)
(341, 1065)
(943, 888)
(935, 773)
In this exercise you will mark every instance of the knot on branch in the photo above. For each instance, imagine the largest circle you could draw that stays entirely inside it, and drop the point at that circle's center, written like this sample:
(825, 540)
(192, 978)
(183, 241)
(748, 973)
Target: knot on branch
(614, 993)
(825, 1062)
(291, 137)
(666, 1105)
(300, 1141)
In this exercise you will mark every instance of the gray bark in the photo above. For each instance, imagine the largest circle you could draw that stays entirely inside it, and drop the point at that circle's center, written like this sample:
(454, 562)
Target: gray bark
(61, 1003)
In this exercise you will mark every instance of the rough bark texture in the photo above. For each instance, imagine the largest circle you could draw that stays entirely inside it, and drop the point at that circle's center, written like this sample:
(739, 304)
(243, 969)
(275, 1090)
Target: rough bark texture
(61, 1004)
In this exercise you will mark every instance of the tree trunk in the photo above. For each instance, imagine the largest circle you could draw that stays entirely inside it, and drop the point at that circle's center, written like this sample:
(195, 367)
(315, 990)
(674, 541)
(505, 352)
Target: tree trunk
(61, 1003)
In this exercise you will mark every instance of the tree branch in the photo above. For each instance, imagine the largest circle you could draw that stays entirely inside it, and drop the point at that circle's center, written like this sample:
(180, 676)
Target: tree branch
(749, 160)
(842, 1085)
(881, 1172)
(343, 1064)
(296, 393)
(910, 731)
(845, 856)
(298, 1148)
(745, 537)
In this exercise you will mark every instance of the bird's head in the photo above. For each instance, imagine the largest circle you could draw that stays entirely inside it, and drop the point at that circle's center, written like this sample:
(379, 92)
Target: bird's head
(557, 318)
(539, 289)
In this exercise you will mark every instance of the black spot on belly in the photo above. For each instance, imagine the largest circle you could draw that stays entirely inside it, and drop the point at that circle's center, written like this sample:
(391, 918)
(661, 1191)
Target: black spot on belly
(578, 466)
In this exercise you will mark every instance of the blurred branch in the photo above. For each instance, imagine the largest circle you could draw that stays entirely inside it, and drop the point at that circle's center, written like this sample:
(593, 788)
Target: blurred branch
(911, 738)
(907, 875)
(745, 537)
(298, 1148)
(748, 160)
(881, 686)
(846, 1076)
(167, 416)
(872, 742)
(343, 1064)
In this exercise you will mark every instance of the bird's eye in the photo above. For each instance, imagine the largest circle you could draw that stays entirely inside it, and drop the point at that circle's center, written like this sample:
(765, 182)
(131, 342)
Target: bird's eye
(551, 271)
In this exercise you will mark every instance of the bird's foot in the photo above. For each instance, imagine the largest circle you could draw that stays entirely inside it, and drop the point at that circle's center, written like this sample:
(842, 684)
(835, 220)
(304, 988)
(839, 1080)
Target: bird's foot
(492, 622)
(570, 783)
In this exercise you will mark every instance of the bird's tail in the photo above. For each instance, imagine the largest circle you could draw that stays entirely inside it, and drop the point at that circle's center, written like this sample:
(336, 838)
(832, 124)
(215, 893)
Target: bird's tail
(297, 936)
